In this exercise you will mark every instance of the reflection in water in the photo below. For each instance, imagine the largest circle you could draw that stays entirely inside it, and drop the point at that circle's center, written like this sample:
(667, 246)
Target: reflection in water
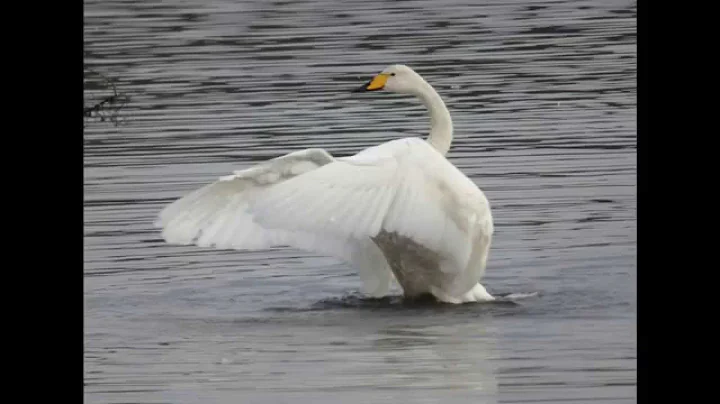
(462, 362)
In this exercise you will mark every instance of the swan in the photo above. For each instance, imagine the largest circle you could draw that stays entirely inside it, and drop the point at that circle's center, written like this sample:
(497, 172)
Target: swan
(399, 211)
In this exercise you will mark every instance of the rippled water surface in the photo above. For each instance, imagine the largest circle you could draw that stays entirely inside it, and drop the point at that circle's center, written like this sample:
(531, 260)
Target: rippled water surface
(543, 99)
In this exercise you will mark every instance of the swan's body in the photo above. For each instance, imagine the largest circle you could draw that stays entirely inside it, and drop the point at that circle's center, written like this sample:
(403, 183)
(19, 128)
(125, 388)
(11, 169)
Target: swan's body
(398, 210)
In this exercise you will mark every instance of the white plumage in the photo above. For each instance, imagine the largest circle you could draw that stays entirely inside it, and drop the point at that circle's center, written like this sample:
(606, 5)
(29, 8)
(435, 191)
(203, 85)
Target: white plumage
(399, 210)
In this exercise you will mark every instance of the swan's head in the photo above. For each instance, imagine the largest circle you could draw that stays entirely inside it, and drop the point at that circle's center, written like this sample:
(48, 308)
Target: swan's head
(396, 79)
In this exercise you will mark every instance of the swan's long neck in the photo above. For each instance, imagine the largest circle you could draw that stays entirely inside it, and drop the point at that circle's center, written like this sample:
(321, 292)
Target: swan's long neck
(441, 127)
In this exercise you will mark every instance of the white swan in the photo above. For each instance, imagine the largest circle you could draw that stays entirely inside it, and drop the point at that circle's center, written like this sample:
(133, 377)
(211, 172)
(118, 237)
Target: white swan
(399, 208)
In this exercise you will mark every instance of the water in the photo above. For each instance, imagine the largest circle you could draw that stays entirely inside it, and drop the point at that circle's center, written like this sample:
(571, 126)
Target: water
(543, 98)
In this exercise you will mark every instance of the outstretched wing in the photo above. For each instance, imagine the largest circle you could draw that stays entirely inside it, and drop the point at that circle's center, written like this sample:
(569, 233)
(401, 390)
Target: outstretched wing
(335, 206)
(218, 216)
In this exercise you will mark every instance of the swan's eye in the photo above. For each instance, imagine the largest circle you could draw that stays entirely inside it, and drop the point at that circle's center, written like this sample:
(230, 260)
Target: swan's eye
(392, 74)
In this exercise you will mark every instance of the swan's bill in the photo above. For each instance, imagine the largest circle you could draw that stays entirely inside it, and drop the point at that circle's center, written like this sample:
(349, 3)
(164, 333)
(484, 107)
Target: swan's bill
(377, 83)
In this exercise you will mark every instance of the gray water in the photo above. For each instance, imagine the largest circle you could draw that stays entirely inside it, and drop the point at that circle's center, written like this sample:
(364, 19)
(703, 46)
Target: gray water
(543, 98)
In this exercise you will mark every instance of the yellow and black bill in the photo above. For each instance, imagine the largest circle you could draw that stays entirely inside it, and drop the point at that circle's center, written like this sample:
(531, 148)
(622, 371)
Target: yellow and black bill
(377, 83)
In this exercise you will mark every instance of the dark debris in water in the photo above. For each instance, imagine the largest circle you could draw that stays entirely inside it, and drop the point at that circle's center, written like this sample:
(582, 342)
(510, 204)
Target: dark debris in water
(358, 301)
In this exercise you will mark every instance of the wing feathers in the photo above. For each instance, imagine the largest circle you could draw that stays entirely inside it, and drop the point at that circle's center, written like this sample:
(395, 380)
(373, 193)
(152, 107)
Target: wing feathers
(311, 201)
